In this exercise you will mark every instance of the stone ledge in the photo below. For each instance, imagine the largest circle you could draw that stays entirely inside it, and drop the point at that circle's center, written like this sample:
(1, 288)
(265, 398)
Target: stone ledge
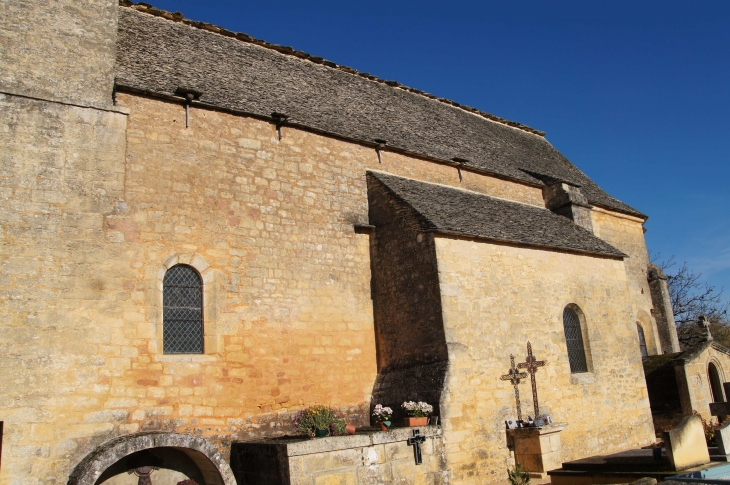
(542, 430)
(299, 445)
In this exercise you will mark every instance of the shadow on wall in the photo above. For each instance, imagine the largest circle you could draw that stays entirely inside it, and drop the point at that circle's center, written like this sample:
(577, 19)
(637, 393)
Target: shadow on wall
(409, 331)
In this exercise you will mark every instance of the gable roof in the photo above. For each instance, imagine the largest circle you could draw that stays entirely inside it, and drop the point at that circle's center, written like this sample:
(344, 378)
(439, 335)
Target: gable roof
(459, 212)
(654, 363)
(159, 54)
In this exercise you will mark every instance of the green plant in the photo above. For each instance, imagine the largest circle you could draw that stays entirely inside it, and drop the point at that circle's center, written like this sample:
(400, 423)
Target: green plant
(517, 476)
(307, 421)
(338, 427)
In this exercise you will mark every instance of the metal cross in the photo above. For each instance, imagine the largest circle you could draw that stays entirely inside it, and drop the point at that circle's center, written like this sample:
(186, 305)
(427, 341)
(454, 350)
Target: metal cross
(416, 443)
(531, 364)
(514, 377)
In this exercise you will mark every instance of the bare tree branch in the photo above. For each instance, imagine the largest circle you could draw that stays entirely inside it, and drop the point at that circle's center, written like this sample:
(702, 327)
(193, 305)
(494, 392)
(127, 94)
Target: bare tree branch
(690, 296)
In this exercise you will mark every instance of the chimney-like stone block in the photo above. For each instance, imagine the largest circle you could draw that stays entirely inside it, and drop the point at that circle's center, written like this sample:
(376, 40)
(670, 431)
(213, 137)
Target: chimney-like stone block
(567, 200)
(663, 314)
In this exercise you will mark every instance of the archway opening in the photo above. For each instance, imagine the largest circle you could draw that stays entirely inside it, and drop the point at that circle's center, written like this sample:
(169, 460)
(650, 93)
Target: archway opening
(168, 466)
(715, 383)
(153, 458)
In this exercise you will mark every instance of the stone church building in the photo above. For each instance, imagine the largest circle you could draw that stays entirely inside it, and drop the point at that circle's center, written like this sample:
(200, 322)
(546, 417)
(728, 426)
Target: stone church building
(203, 233)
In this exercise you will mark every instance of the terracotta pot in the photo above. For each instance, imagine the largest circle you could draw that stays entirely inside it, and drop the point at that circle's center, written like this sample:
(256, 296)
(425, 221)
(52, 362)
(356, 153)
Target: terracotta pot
(416, 421)
(350, 428)
(383, 426)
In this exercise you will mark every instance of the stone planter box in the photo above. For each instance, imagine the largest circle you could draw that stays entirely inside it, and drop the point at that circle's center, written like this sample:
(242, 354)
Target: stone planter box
(538, 450)
(367, 457)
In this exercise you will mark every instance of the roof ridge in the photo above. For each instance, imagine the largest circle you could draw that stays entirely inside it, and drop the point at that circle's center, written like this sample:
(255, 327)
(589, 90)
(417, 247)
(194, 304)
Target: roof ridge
(286, 50)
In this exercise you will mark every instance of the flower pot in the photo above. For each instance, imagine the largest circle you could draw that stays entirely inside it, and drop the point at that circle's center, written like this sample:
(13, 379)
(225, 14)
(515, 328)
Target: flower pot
(416, 421)
(321, 433)
(383, 426)
(350, 428)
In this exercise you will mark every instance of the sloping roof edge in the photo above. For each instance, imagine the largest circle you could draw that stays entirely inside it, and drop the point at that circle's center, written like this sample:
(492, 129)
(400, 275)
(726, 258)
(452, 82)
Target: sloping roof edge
(286, 50)
(430, 226)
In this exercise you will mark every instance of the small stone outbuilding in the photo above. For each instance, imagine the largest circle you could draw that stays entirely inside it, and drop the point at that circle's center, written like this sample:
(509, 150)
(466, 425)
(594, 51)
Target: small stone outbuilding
(687, 382)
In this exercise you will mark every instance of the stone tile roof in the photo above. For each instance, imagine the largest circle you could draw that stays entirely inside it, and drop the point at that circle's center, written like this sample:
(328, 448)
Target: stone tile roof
(453, 211)
(162, 52)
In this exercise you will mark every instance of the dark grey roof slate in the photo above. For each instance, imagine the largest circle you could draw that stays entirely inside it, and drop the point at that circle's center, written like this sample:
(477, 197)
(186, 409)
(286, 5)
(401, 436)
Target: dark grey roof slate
(159, 55)
(454, 211)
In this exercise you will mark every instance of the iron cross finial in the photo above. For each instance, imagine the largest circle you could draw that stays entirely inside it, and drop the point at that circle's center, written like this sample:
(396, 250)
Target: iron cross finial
(514, 377)
(531, 364)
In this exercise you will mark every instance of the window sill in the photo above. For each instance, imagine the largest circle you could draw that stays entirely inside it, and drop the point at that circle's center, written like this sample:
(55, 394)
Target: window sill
(583, 378)
(186, 357)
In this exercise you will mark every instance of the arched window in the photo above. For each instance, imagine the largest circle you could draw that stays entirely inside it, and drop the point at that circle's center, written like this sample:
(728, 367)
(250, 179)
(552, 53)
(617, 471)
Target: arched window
(715, 383)
(182, 311)
(642, 340)
(574, 341)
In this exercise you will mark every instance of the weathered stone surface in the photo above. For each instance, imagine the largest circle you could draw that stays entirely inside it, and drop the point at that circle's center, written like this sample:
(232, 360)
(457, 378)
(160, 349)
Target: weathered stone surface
(490, 294)
(354, 459)
(257, 80)
(205, 456)
(61, 50)
(663, 310)
(685, 444)
(95, 206)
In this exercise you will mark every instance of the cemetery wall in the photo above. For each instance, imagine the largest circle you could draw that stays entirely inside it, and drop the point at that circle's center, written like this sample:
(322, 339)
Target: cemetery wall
(497, 297)
(367, 458)
(626, 233)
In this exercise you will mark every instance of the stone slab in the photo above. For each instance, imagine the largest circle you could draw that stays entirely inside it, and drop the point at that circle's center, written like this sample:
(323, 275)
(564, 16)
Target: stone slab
(685, 444)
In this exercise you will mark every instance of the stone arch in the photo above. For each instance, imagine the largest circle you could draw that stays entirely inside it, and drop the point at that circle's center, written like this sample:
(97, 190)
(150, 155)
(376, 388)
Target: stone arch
(716, 378)
(644, 319)
(206, 457)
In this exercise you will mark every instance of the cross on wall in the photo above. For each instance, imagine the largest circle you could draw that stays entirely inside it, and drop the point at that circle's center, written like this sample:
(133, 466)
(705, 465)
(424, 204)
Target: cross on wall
(416, 442)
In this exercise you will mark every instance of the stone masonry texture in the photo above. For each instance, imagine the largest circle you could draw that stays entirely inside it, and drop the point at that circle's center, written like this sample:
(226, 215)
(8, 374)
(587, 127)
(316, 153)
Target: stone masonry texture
(495, 299)
(97, 201)
(238, 75)
(43, 43)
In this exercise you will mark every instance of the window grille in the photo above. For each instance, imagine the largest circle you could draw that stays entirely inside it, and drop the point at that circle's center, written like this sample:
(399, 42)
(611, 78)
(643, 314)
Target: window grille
(574, 341)
(642, 340)
(182, 311)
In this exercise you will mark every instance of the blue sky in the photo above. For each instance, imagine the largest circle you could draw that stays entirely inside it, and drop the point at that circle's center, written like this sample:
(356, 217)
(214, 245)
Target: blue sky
(635, 93)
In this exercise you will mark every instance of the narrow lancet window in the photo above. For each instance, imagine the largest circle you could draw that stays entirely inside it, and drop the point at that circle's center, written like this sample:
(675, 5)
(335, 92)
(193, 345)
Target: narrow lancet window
(642, 340)
(574, 341)
(182, 311)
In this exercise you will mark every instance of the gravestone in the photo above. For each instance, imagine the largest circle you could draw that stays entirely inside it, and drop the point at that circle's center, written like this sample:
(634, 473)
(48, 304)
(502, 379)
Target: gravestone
(686, 446)
(722, 436)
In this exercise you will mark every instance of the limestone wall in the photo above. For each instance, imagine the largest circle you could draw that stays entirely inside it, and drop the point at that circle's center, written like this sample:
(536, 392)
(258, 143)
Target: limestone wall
(626, 233)
(62, 50)
(61, 175)
(96, 205)
(495, 299)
